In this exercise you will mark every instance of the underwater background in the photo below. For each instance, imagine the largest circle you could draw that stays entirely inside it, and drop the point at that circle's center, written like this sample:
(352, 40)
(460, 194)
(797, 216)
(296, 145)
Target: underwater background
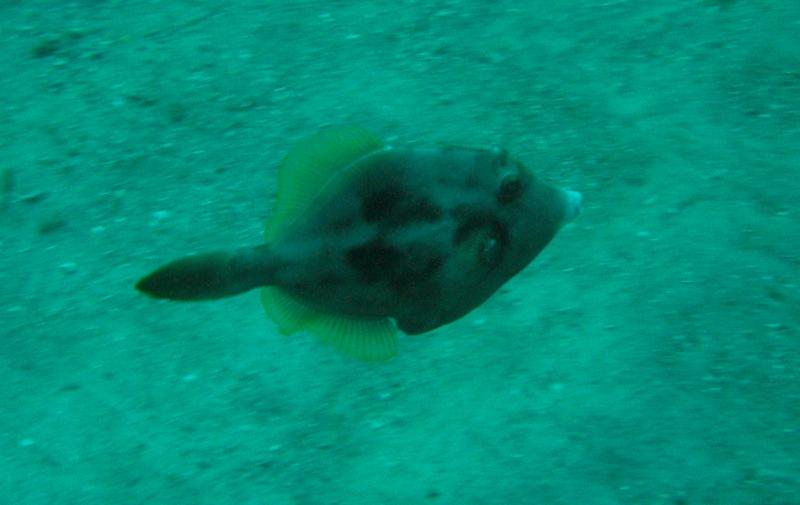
(650, 355)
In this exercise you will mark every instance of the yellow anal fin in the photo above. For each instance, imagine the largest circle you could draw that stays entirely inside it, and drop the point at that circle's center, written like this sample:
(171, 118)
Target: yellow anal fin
(362, 339)
(311, 166)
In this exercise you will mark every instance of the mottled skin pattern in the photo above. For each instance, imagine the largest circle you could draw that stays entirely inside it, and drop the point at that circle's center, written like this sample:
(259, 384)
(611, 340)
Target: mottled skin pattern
(420, 235)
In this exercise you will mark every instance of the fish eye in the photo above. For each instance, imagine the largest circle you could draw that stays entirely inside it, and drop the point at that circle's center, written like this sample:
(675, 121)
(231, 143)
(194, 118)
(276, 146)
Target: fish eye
(510, 187)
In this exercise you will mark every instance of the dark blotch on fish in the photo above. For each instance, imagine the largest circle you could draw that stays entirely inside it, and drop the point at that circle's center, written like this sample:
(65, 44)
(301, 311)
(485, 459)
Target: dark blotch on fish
(373, 259)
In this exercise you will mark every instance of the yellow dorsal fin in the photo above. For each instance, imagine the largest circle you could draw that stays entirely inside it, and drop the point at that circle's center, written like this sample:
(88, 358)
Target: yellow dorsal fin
(362, 339)
(310, 166)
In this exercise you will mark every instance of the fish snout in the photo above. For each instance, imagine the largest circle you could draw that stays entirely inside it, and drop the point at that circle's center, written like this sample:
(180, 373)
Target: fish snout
(573, 201)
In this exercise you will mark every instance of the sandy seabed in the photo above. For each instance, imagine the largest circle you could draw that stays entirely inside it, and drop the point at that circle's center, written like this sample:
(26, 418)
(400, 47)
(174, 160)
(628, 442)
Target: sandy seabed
(649, 356)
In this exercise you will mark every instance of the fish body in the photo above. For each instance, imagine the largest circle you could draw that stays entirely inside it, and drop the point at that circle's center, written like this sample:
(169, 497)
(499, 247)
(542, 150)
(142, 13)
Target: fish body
(367, 238)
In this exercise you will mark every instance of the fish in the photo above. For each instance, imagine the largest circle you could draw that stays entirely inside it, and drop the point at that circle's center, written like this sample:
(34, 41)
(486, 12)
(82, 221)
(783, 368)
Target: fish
(367, 240)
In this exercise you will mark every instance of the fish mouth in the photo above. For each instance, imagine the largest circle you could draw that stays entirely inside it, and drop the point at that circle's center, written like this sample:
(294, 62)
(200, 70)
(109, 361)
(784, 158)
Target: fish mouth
(574, 203)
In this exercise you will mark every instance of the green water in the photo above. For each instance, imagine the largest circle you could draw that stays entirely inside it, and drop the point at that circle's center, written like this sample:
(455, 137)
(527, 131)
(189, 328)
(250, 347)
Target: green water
(650, 355)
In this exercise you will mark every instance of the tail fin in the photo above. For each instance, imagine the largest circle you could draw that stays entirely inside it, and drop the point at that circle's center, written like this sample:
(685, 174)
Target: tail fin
(208, 276)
